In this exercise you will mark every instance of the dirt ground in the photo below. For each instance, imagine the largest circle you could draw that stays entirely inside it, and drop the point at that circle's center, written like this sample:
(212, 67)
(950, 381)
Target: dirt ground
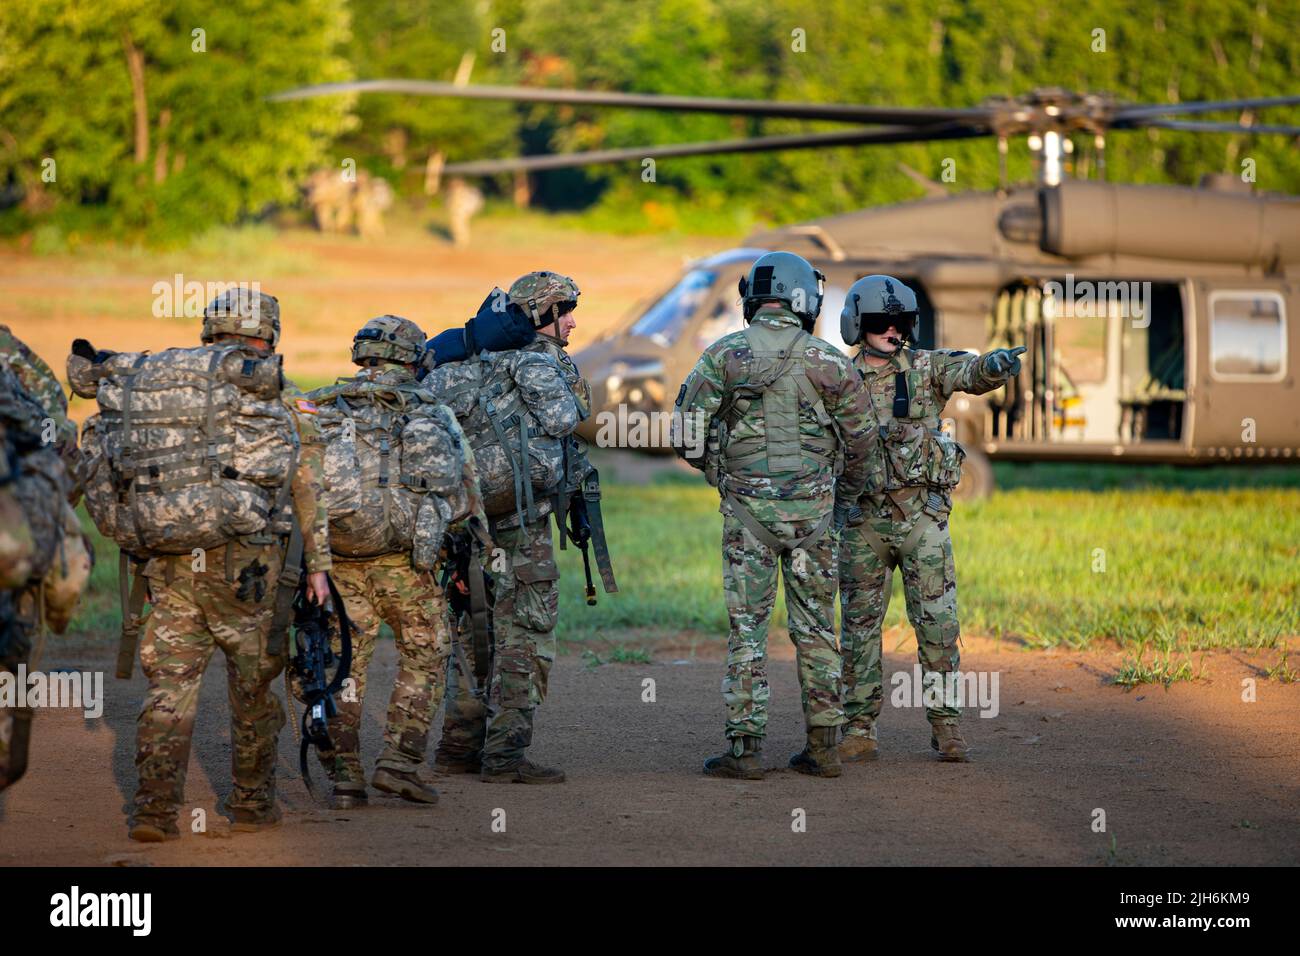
(1188, 776)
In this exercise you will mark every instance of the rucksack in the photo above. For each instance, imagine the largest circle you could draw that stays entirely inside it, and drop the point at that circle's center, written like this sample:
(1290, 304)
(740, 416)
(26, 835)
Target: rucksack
(191, 448)
(394, 468)
(518, 463)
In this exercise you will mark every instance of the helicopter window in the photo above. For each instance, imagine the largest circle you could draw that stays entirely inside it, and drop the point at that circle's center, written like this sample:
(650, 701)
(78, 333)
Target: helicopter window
(725, 317)
(1247, 335)
(664, 321)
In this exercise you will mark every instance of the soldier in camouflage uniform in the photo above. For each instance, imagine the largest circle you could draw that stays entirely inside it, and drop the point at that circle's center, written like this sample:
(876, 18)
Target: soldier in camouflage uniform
(33, 488)
(387, 588)
(786, 408)
(491, 736)
(226, 600)
(906, 506)
(43, 385)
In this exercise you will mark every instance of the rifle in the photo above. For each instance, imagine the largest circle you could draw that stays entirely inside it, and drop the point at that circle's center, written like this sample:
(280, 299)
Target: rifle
(579, 532)
(313, 657)
(586, 527)
(471, 592)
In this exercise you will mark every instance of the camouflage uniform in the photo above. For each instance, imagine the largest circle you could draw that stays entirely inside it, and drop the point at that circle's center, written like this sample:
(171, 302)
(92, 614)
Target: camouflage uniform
(387, 589)
(905, 509)
(43, 385)
(32, 489)
(497, 730)
(196, 607)
(790, 504)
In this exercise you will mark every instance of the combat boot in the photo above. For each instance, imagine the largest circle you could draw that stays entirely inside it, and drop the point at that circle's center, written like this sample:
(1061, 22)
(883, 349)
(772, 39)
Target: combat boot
(820, 757)
(744, 761)
(451, 764)
(154, 831)
(405, 784)
(348, 795)
(859, 747)
(247, 821)
(522, 771)
(947, 739)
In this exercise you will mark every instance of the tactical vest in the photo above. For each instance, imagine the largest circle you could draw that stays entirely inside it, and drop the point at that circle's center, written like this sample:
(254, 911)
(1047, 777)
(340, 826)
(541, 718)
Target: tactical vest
(770, 400)
(191, 449)
(394, 463)
(520, 466)
(915, 452)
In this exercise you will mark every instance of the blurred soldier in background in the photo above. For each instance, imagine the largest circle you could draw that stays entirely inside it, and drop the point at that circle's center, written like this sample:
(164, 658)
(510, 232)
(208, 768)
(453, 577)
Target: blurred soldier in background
(906, 505)
(786, 416)
(464, 202)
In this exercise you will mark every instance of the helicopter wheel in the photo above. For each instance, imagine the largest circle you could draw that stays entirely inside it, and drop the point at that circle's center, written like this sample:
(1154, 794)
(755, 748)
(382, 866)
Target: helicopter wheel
(977, 480)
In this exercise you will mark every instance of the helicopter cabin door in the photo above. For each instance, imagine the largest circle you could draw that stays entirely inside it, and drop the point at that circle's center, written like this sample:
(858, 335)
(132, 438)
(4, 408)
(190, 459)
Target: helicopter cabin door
(1105, 366)
(1247, 403)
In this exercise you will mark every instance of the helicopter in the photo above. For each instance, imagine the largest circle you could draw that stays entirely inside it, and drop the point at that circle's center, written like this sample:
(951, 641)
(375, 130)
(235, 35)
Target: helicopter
(1158, 319)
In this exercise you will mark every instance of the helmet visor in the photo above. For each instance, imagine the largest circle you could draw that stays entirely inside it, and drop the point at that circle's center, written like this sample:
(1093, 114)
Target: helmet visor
(877, 323)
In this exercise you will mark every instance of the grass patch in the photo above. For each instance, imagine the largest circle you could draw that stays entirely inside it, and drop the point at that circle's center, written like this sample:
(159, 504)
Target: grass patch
(1164, 572)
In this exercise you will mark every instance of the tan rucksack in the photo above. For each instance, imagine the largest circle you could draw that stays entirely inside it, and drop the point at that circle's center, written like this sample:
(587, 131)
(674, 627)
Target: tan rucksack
(192, 448)
(394, 465)
(518, 467)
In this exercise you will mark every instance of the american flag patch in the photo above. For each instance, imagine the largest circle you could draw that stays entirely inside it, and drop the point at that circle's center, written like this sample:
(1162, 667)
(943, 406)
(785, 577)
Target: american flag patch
(306, 407)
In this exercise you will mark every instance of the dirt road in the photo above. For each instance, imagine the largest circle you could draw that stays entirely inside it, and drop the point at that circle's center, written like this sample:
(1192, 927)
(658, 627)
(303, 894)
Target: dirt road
(1192, 775)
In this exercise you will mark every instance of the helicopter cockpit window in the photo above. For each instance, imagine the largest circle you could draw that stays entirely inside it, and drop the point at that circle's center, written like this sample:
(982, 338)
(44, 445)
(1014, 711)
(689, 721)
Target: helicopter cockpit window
(725, 317)
(664, 321)
(1247, 335)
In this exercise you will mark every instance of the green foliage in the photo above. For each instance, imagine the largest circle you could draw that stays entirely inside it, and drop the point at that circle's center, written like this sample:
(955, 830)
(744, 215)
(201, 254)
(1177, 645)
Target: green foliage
(215, 150)
(414, 39)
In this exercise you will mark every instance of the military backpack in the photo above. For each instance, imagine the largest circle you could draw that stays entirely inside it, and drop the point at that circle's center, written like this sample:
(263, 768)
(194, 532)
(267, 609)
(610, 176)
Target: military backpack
(394, 468)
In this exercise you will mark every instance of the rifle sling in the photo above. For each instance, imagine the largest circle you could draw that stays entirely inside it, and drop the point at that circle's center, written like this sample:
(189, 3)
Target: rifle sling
(591, 494)
(287, 586)
(131, 594)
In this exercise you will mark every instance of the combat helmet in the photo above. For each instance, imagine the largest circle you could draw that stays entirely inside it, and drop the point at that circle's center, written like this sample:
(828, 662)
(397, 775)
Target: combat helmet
(873, 304)
(787, 278)
(389, 337)
(544, 296)
(242, 311)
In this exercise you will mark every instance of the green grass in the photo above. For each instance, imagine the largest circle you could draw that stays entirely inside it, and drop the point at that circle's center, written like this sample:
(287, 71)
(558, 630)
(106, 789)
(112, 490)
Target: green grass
(1185, 570)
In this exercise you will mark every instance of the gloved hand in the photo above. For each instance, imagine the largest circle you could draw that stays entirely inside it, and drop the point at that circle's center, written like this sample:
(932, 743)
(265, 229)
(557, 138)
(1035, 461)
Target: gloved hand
(1003, 363)
(845, 514)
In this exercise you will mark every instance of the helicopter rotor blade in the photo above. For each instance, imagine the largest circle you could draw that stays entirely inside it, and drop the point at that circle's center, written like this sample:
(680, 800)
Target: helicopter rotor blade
(845, 112)
(758, 144)
(1193, 126)
(1134, 115)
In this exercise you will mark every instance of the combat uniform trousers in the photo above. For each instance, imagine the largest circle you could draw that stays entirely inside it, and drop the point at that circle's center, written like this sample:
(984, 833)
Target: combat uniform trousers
(866, 581)
(749, 570)
(524, 618)
(388, 590)
(195, 610)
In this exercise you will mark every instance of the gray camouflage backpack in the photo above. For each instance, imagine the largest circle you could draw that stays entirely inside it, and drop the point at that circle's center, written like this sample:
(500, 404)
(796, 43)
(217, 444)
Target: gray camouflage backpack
(192, 448)
(394, 468)
(520, 464)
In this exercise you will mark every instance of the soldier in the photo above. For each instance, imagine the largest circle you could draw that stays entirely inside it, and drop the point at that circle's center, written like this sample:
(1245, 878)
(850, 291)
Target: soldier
(491, 736)
(219, 595)
(33, 525)
(41, 383)
(785, 410)
(376, 578)
(905, 507)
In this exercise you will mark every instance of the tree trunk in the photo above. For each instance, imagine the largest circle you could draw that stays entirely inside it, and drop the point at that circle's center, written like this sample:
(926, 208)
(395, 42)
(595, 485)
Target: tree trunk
(135, 65)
